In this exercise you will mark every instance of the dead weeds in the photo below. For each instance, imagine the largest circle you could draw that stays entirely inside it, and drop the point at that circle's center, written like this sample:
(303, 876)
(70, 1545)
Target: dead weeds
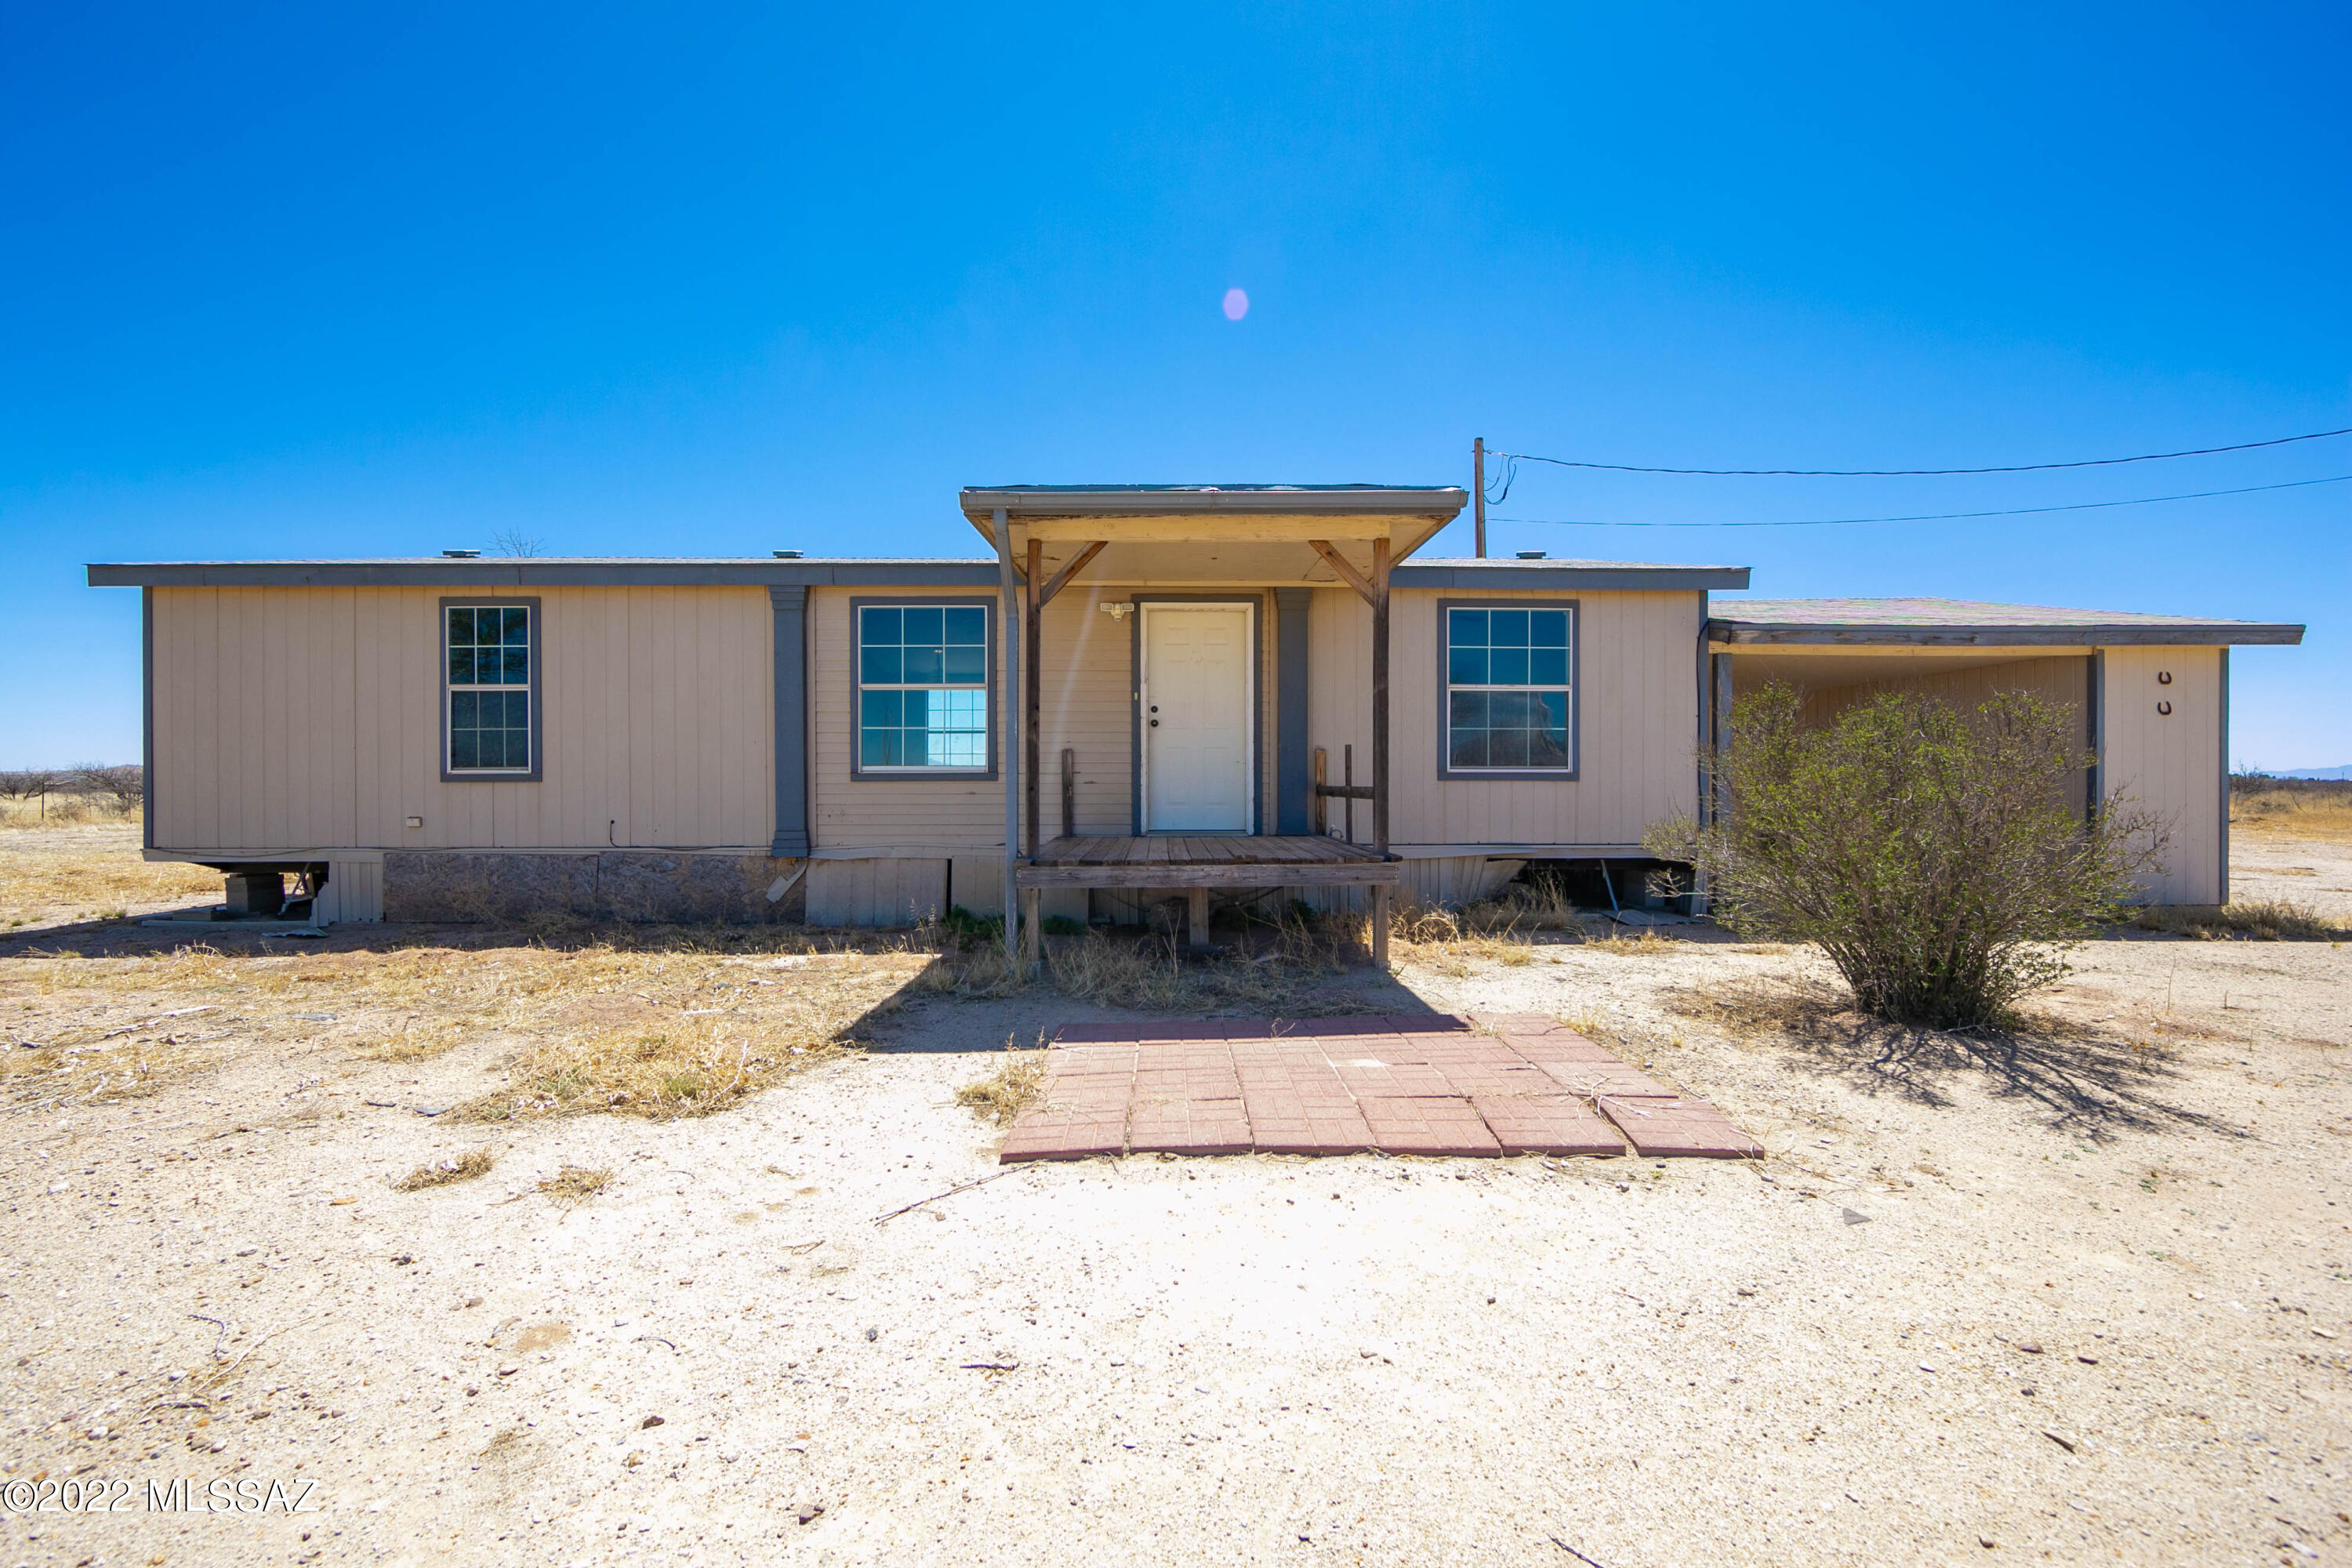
(462, 1167)
(575, 1184)
(1011, 1088)
(2270, 919)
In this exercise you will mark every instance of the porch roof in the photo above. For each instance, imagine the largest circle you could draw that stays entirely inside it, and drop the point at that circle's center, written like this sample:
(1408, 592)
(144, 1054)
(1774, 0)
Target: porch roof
(1251, 529)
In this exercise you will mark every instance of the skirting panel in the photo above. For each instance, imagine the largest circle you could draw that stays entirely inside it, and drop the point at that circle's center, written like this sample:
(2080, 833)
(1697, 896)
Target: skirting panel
(878, 893)
(612, 885)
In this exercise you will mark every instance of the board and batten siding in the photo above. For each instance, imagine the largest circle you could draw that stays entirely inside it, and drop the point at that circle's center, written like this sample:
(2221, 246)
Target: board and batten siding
(292, 720)
(2170, 765)
(1636, 709)
(1086, 699)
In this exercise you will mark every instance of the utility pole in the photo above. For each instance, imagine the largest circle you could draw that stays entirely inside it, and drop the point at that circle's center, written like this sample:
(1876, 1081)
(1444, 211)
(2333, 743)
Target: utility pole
(1478, 489)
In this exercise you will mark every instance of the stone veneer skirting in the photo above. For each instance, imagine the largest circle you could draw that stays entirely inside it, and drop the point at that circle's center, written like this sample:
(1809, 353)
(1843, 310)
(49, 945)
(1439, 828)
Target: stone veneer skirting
(604, 885)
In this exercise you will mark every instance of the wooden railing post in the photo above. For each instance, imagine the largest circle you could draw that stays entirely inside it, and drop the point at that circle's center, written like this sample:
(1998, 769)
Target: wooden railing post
(1322, 776)
(1069, 792)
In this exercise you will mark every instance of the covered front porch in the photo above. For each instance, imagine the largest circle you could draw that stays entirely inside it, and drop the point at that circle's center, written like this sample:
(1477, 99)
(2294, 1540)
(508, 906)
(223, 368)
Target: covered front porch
(1222, 794)
(1199, 865)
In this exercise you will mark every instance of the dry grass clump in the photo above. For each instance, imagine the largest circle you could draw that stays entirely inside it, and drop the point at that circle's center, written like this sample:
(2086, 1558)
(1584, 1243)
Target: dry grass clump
(1540, 905)
(52, 886)
(2292, 808)
(462, 1167)
(2271, 920)
(1649, 944)
(575, 1184)
(1152, 971)
(1011, 1088)
(67, 810)
(658, 1024)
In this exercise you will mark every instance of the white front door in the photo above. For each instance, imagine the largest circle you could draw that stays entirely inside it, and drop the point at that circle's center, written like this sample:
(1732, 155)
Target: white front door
(1196, 718)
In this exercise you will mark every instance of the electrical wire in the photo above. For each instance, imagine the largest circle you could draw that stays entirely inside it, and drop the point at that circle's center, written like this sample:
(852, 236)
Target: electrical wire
(1930, 516)
(1923, 473)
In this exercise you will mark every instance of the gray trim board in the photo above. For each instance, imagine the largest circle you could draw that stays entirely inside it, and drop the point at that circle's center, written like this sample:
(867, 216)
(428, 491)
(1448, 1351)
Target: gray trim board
(1292, 774)
(1257, 703)
(1565, 576)
(2222, 835)
(1568, 774)
(147, 718)
(538, 772)
(996, 699)
(2050, 634)
(790, 616)
(1020, 502)
(542, 573)
(2095, 730)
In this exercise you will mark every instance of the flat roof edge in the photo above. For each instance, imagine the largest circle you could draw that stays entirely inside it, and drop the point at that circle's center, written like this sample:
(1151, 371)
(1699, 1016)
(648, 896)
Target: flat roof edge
(1444, 502)
(2111, 635)
(524, 574)
(1535, 574)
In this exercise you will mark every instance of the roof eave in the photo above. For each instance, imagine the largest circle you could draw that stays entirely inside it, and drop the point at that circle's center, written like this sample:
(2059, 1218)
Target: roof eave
(2049, 634)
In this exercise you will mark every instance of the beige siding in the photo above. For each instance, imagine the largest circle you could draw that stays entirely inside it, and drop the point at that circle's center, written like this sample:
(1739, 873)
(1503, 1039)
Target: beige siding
(911, 815)
(1637, 717)
(299, 719)
(1085, 694)
(2062, 681)
(2171, 765)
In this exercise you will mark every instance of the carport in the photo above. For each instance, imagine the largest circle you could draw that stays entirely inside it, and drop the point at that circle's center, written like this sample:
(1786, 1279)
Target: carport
(2153, 691)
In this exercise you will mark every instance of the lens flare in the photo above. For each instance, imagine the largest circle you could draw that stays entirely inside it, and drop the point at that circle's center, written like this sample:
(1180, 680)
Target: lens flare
(1236, 304)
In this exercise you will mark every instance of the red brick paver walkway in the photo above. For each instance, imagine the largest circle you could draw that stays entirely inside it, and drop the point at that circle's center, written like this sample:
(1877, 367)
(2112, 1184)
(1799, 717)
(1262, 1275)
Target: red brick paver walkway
(1427, 1084)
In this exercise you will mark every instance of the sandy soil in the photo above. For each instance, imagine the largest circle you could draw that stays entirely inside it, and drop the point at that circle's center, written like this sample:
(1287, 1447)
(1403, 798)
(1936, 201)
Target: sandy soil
(2086, 1305)
(2298, 870)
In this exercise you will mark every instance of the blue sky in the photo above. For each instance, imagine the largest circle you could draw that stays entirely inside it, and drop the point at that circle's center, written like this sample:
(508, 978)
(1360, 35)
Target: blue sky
(686, 280)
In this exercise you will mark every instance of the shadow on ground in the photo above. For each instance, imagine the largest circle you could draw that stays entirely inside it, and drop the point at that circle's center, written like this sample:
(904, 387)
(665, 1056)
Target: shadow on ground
(2084, 1078)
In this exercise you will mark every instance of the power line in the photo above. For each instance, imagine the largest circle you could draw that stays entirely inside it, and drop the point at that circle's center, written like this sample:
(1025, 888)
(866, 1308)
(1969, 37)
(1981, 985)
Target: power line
(1931, 516)
(1923, 473)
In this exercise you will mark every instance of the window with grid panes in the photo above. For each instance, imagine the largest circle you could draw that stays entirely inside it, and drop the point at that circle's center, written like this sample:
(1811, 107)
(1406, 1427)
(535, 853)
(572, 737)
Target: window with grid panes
(488, 671)
(1508, 688)
(922, 688)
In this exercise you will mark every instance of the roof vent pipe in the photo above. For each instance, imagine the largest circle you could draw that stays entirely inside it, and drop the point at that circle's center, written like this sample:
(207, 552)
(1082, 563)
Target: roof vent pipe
(786, 554)
(463, 555)
(1531, 554)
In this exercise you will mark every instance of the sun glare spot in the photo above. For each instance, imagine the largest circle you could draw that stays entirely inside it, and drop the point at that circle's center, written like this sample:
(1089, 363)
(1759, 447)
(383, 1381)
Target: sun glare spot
(1236, 304)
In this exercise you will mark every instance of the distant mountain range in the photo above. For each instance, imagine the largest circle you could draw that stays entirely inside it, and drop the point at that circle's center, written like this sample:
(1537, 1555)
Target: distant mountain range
(2342, 772)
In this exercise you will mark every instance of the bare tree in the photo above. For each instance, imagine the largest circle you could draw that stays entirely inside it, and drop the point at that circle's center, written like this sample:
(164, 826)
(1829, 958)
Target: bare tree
(124, 783)
(515, 542)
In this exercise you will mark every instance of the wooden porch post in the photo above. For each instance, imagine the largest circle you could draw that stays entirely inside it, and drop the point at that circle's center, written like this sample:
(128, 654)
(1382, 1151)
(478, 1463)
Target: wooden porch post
(1011, 600)
(1030, 703)
(1380, 742)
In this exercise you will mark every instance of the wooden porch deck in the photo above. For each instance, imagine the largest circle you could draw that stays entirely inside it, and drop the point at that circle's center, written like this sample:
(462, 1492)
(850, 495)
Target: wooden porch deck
(1181, 860)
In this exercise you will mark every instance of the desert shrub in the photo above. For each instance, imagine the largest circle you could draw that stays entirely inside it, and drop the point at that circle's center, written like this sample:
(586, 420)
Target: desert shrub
(1939, 856)
(2268, 920)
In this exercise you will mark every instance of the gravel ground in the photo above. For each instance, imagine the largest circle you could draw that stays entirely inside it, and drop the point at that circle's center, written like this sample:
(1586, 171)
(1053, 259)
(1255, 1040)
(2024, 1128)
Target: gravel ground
(2088, 1307)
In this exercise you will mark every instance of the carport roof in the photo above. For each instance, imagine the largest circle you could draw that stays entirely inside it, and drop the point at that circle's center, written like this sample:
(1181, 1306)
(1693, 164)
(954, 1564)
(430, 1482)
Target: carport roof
(1964, 623)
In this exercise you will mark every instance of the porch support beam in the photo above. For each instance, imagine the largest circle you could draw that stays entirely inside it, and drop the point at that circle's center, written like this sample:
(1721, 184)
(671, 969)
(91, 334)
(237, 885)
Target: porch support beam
(1030, 699)
(1345, 569)
(1069, 568)
(1380, 599)
(1009, 614)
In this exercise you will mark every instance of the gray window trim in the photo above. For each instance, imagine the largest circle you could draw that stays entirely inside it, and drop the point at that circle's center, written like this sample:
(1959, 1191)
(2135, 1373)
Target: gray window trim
(1135, 707)
(788, 612)
(147, 716)
(1294, 804)
(1568, 774)
(995, 719)
(537, 773)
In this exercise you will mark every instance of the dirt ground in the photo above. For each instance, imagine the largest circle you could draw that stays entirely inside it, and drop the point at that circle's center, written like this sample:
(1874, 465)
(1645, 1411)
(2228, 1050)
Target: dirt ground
(2077, 1298)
